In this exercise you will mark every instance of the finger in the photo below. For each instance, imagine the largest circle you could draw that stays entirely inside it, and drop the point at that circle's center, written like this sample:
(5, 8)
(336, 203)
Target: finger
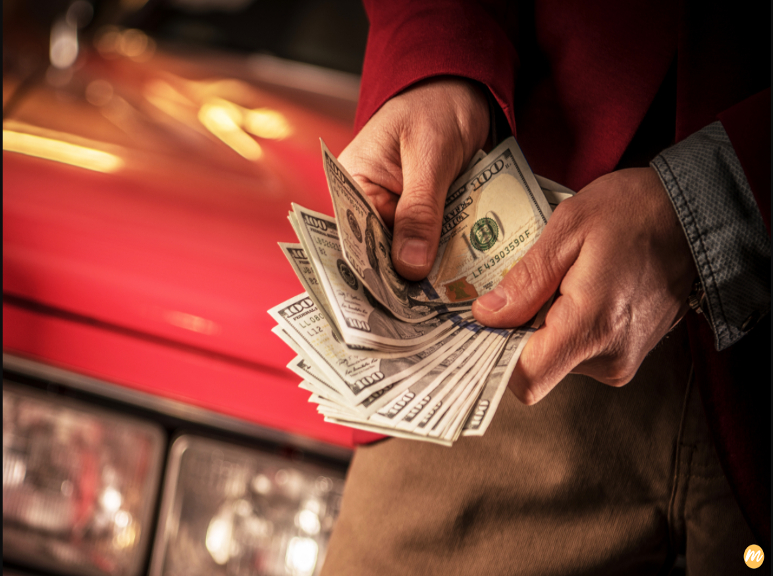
(536, 277)
(374, 162)
(427, 175)
(383, 200)
(552, 352)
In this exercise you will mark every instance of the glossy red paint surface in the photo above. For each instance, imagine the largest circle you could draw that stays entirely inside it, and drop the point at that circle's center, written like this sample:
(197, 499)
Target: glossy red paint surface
(173, 256)
(270, 398)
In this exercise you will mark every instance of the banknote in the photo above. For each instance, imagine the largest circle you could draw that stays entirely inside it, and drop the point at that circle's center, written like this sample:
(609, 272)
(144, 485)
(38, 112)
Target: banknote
(432, 402)
(313, 378)
(554, 192)
(351, 372)
(367, 244)
(449, 422)
(482, 361)
(393, 404)
(494, 213)
(496, 384)
(412, 402)
(457, 397)
(303, 269)
(360, 319)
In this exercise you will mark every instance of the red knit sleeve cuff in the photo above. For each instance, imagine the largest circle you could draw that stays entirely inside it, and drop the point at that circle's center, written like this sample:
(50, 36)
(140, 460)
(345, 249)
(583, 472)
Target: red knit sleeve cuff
(411, 41)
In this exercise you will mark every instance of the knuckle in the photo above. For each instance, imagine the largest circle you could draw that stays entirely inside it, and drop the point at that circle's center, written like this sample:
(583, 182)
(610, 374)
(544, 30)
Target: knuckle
(617, 379)
(527, 278)
(527, 396)
(613, 324)
(618, 370)
(526, 390)
(567, 215)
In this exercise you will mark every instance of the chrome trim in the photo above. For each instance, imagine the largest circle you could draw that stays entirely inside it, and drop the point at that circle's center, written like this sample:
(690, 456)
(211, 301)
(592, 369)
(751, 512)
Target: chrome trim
(169, 407)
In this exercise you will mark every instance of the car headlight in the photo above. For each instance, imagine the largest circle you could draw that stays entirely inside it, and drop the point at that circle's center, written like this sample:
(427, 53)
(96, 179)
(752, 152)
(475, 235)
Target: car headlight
(234, 510)
(79, 484)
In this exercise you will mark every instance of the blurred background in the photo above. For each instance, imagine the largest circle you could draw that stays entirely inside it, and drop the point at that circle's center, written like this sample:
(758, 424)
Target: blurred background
(151, 150)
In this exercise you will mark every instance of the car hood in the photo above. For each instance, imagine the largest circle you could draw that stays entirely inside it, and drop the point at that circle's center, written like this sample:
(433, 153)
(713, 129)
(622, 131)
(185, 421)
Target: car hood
(168, 191)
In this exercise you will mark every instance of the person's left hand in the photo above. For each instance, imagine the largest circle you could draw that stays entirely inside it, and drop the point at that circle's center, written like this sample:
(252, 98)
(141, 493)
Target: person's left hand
(621, 259)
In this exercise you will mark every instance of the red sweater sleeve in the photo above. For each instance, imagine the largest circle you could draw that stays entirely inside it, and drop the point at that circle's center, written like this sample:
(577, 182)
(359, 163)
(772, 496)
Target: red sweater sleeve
(410, 41)
(748, 126)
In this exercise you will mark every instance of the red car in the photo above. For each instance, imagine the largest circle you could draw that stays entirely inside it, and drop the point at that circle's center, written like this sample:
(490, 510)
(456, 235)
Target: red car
(149, 422)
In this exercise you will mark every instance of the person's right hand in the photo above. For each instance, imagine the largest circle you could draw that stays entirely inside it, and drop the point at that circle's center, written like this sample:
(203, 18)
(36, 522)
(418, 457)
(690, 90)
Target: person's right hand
(408, 154)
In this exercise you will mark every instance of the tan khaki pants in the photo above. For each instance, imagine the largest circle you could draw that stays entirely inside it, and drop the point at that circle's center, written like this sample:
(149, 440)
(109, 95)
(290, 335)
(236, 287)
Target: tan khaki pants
(591, 480)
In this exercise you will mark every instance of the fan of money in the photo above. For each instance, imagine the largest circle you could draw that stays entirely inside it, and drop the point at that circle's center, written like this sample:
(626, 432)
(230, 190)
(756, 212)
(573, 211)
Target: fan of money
(406, 359)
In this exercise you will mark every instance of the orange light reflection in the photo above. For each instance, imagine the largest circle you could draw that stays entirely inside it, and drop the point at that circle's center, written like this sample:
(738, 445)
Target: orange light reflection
(224, 120)
(60, 151)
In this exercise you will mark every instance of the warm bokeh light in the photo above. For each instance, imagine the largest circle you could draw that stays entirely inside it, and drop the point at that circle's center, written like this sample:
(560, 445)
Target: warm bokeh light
(60, 151)
(63, 50)
(224, 120)
(112, 42)
(266, 123)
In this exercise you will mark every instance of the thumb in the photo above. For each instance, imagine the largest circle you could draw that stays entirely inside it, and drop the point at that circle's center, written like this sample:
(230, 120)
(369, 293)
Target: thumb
(531, 282)
(419, 212)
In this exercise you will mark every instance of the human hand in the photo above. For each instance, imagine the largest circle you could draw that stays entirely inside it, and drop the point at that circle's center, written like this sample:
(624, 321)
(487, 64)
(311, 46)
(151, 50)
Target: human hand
(408, 154)
(624, 267)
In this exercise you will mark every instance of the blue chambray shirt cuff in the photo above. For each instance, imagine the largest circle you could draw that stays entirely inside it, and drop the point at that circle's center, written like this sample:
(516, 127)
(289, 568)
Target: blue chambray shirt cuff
(724, 228)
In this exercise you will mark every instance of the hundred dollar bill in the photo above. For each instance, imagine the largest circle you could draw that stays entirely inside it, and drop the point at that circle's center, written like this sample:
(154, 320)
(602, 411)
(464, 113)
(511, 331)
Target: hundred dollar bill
(305, 273)
(476, 368)
(352, 373)
(477, 157)
(457, 401)
(479, 355)
(426, 376)
(494, 213)
(470, 404)
(312, 376)
(360, 319)
(392, 405)
(367, 243)
(410, 404)
(322, 403)
(446, 401)
(554, 192)
(497, 381)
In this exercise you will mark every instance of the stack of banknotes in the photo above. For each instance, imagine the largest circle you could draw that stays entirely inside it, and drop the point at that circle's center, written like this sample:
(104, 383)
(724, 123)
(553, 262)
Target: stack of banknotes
(401, 358)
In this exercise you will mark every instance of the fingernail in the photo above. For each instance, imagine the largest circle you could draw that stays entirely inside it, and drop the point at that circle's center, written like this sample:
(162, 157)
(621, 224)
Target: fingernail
(494, 300)
(415, 252)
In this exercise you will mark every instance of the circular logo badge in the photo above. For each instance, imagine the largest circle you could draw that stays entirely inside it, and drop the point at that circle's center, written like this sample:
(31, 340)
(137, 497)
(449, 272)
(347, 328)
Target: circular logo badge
(347, 274)
(354, 225)
(484, 234)
(753, 556)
